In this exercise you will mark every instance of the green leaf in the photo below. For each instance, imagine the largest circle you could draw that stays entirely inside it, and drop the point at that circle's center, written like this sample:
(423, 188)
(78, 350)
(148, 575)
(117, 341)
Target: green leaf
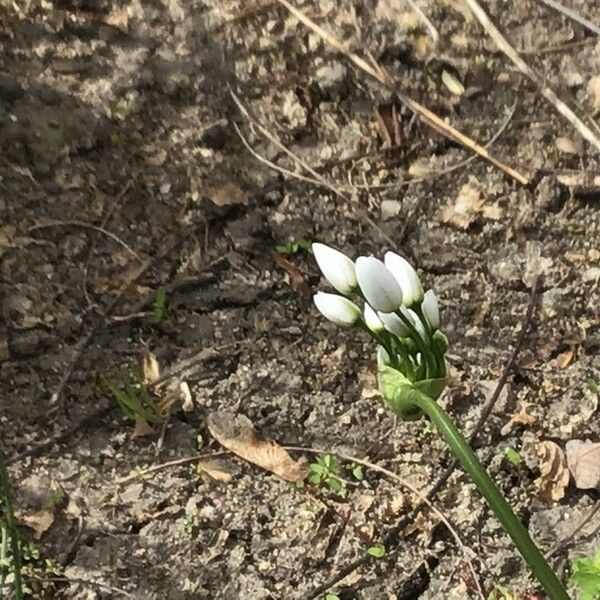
(159, 306)
(585, 574)
(314, 478)
(335, 484)
(357, 472)
(293, 246)
(512, 456)
(331, 596)
(376, 551)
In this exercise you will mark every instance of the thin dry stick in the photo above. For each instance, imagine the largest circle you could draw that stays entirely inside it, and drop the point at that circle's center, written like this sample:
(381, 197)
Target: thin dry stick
(420, 495)
(575, 16)
(320, 180)
(428, 24)
(83, 225)
(424, 113)
(547, 92)
(447, 170)
(445, 476)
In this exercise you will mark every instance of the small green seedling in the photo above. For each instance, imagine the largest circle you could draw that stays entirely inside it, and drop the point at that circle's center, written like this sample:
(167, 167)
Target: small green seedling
(293, 246)
(159, 306)
(585, 574)
(326, 472)
(357, 472)
(331, 596)
(136, 401)
(376, 551)
(501, 593)
(512, 456)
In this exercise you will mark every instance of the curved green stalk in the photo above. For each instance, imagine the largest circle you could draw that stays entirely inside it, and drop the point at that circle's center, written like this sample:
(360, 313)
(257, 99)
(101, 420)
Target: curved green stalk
(11, 525)
(513, 526)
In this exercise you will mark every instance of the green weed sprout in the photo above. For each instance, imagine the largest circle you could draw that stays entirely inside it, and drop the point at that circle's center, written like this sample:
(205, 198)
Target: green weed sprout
(585, 574)
(404, 322)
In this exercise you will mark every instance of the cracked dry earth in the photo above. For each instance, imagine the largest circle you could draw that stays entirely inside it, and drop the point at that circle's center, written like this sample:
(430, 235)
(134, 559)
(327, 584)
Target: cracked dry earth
(121, 174)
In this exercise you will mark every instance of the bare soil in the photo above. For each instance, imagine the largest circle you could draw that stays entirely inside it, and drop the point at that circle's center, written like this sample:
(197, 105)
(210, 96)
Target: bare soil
(122, 174)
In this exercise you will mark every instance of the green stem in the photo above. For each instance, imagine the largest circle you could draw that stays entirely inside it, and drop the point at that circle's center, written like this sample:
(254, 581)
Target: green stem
(12, 526)
(513, 526)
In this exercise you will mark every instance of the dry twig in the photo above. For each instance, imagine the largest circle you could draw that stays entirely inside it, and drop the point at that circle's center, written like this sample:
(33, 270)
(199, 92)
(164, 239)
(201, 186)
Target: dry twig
(424, 113)
(575, 16)
(546, 91)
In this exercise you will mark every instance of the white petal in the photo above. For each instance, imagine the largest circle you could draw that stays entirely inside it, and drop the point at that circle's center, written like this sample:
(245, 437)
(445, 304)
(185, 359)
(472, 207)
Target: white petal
(407, 278)
(337, 309)
(378, 285)
(394, 324)
(337, 268)
(383, 358)
(418, 324)
(431, 309)
(372, 320)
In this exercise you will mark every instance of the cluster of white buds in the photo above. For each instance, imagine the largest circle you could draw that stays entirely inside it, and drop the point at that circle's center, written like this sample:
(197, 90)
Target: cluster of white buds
(397, 314)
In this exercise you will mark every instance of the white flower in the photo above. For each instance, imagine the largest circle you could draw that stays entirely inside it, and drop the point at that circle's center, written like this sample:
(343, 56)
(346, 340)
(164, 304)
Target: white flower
(431, 309)
(378, 285)
(337, 268)
(394, 324)
(407, 278)
(418, 324)
(372, 321)
(337, 309)
(383, 358)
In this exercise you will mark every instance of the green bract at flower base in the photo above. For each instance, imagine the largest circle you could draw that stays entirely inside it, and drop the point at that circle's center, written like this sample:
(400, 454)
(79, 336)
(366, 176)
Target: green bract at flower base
(401, 393)
(412, 367)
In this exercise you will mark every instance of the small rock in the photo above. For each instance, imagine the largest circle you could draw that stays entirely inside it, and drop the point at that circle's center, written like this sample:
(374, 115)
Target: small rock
(331, 78)
(390, 209)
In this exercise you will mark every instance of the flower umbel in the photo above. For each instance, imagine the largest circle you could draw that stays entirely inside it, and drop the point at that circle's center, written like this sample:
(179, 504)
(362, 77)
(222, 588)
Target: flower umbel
(405, 336)
(411, 363)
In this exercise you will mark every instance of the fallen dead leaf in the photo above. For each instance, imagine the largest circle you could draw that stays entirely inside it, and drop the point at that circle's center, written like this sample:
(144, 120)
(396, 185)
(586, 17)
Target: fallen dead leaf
(388, 125)
(141, 429)
(237, 434)
(566, 358)
(554, 473)
(583, 458)
(593, 90)
(217, 470)
(226, 195)
(296, 279)
(150, 367)
(520, 417)
(39, 521)
(468, 206)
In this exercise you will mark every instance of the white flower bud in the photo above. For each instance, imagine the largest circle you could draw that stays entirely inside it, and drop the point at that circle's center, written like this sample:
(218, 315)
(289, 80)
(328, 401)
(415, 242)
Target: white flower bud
(431, 309)
(383, 358)
(407, 278)
(372, 321)
(337, 309)
(394, 324)
(418, 324)
(378, 285)
(337, 268)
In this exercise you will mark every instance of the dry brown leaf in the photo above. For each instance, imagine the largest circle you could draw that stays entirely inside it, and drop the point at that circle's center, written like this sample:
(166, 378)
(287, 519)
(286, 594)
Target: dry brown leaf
(465, 209)
(237, 434)
(218, 470)
(388, 125)
(566, 358)
(554, 473)
(141, 429)
(593, 90)
(296, 279)
(39, 521)
(226, 194)
(150, 367)
(583, 458)
(567, 146)
(520, 417)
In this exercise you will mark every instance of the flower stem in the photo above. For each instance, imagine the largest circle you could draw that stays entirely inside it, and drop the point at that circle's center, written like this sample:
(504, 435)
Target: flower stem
(11, 525)
(513, 526)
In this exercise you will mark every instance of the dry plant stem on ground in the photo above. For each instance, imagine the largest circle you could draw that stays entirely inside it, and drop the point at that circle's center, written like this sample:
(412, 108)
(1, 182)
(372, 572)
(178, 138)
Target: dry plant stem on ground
(547, 92)
(424, 113)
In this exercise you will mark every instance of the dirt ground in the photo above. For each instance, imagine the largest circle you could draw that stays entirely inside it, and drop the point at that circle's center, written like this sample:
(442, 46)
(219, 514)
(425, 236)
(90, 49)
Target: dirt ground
(123, 180)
